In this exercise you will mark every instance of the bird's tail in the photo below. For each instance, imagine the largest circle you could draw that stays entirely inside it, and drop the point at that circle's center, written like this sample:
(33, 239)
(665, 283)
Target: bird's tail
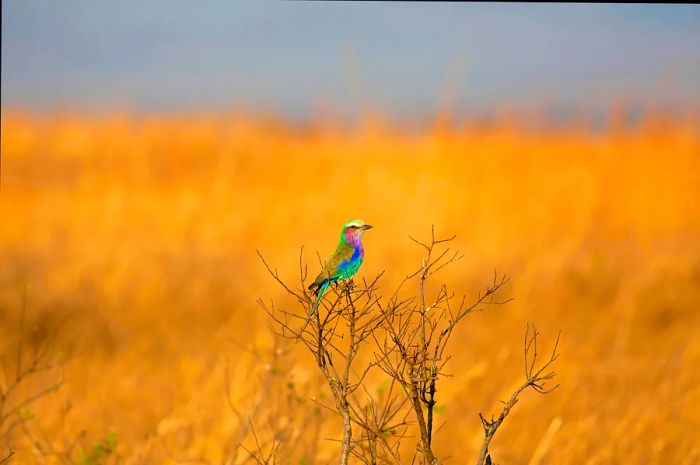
(314, 307)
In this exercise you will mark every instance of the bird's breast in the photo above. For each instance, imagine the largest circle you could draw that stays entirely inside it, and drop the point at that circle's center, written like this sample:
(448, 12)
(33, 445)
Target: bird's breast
(357, 253)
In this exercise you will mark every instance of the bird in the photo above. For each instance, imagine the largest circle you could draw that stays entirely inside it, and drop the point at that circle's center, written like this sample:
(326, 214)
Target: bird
(342, 264)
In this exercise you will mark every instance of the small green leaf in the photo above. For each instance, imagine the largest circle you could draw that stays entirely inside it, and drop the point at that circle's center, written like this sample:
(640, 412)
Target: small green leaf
(83, 459)
(26, 414)
(111, 441)
(382, 388)
(99, 451)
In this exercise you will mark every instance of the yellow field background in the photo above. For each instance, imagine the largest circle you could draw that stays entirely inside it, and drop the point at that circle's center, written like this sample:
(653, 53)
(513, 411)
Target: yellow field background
(135, 238)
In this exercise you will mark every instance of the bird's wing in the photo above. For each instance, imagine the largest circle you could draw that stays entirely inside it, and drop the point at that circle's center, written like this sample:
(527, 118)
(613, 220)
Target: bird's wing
(342, 255)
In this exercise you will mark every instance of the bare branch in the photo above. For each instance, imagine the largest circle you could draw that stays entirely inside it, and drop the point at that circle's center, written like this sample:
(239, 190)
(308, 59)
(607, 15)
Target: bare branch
(534, 378)
(7, 457)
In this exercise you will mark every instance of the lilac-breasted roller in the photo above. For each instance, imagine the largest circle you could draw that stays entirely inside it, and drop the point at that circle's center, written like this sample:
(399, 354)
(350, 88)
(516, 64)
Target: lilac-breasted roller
(344, 262)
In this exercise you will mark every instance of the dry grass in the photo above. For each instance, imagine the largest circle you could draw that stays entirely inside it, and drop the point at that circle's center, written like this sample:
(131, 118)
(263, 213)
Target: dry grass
(140, 234)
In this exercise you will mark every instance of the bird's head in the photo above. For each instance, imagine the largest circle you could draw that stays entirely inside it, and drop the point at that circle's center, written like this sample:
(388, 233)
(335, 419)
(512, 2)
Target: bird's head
(354, 229)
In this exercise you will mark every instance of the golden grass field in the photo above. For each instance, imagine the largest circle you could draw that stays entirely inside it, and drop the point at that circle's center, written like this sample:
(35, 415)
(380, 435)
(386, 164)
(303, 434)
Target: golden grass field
(135, 238)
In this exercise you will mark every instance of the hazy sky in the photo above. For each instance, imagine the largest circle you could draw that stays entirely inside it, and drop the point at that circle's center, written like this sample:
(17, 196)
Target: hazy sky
(290, 56)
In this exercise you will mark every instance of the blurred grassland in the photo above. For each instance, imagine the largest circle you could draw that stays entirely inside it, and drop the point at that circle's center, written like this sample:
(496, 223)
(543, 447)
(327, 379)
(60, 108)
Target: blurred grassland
(139, 236)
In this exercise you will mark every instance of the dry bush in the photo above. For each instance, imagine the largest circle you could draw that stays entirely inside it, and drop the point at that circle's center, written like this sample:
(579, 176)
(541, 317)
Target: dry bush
(28, 373)
(408, 338)
(334, 339)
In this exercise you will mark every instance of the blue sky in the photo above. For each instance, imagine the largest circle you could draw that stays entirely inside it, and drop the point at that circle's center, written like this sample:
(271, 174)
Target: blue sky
(289, 57)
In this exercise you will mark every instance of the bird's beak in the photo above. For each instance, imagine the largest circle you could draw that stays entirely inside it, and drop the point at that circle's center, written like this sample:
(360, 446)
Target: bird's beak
(367, 226)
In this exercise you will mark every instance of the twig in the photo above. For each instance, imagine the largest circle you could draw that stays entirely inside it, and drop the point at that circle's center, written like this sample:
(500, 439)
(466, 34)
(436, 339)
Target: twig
(534, 378)
(8, 457)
